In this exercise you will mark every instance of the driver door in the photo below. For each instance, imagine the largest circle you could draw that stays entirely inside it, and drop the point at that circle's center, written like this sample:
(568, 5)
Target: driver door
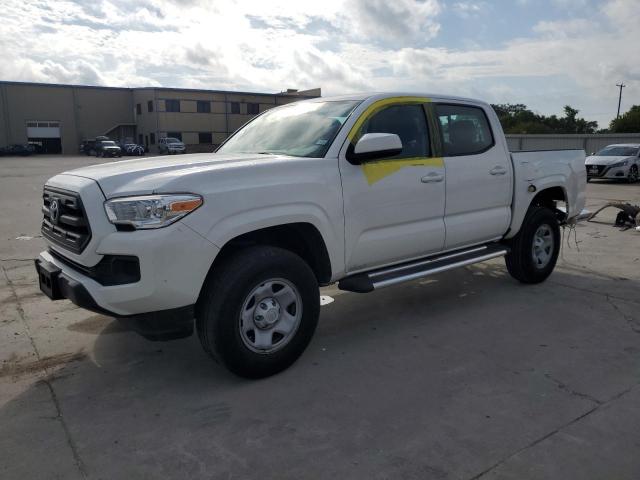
(394, 207)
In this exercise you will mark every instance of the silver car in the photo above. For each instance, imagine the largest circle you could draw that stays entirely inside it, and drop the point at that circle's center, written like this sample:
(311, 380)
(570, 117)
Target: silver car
(171, 145)
(615, 162)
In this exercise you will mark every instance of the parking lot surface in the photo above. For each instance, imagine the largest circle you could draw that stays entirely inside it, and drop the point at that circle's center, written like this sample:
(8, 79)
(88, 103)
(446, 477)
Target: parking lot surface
(463, 375)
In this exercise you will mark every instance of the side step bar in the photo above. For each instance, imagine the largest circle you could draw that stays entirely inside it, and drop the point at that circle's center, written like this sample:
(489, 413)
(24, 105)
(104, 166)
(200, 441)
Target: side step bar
(384, 277)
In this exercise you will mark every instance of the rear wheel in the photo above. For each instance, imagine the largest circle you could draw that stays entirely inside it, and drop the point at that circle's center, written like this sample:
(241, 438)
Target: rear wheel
(534, 250)
(258, 311)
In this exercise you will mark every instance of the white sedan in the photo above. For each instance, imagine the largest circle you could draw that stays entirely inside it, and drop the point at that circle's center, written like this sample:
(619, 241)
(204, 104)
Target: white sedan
(615, 162)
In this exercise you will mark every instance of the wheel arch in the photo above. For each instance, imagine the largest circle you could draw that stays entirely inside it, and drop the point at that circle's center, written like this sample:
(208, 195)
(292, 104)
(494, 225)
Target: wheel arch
(545, 197)
(549, 196)
(302, 238)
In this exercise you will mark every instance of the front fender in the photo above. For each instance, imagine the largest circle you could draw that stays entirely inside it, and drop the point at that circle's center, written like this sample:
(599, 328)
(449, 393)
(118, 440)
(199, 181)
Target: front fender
(240, 201)
(250, 220)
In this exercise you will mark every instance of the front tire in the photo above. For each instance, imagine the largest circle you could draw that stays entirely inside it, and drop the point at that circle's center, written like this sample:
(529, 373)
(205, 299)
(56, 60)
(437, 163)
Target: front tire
(258, 311)
(633, 174)
(534, 250)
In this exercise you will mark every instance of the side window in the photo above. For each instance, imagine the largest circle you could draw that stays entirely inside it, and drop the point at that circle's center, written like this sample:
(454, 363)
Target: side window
(406, 121)
(172, 105)
(465, 130)
(253, 108)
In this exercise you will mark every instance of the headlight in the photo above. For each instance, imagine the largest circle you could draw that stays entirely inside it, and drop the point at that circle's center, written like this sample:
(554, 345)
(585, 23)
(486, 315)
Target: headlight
(620, 164)
(151, 211)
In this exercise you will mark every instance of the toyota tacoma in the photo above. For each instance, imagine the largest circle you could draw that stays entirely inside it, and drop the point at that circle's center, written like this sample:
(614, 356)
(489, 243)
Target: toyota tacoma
(365, 191)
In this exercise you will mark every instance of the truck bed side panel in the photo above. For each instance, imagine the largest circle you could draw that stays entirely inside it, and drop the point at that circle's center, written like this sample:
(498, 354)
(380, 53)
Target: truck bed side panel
(543, 170)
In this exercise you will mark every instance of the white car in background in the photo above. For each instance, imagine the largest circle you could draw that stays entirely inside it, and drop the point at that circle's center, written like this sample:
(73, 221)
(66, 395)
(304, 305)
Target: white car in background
(615, 162)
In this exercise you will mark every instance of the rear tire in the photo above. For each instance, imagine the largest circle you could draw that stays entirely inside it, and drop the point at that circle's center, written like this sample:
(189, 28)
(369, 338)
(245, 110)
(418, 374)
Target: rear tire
(258, 311)
(534, 250)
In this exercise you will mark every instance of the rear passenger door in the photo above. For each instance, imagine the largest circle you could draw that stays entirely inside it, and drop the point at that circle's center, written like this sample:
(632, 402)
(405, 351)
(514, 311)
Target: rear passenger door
(478, 176)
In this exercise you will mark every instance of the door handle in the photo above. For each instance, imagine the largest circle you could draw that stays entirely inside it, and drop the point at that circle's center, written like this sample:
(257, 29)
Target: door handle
(498, 170)
(432, 177)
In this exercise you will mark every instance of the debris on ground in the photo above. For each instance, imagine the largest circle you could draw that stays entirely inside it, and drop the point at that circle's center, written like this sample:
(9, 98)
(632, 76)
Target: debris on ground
(628, 216)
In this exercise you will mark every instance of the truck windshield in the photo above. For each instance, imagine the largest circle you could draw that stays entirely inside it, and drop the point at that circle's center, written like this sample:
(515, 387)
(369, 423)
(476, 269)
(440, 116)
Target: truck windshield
(304, 129)
(617, 152)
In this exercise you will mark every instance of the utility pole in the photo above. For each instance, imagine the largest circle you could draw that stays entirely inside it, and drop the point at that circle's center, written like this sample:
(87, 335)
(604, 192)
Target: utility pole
(621, 86)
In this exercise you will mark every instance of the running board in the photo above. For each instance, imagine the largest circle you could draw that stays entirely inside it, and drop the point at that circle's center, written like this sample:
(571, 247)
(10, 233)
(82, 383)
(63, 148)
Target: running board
(384, 277)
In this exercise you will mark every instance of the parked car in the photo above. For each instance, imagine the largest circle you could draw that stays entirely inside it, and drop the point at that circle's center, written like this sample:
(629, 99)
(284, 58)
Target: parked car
(615, 162)
(107, 148)
(133, 149)
(18, 150)
(379, 189)
(171, 145)
(36, 147)
(88, 147)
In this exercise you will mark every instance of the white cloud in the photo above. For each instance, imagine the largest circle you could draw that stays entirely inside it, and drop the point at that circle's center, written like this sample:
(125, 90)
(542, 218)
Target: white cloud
(339, 45)
(468, 9)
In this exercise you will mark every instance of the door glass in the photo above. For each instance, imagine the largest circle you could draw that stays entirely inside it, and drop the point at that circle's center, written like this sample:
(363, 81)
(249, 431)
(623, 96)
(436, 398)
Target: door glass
(406, 121)
(465, 130)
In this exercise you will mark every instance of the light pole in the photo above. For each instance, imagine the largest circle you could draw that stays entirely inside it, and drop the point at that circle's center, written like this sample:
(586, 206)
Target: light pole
(621, 86)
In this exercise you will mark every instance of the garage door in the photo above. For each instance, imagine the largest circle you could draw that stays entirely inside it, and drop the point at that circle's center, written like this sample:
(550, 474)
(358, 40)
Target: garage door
(46, 135)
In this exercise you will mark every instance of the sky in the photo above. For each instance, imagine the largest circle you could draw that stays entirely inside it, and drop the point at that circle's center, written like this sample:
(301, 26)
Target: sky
(543, 53)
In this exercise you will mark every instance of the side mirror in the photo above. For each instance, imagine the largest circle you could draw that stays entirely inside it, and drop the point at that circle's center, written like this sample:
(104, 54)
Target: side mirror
(372, 146)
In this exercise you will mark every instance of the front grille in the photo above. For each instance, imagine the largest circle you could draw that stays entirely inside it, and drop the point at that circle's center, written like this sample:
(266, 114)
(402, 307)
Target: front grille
(68, 227)
(591, 172)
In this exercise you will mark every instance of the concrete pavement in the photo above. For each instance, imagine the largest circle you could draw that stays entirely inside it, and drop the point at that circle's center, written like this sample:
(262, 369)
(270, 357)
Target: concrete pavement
(464, 375)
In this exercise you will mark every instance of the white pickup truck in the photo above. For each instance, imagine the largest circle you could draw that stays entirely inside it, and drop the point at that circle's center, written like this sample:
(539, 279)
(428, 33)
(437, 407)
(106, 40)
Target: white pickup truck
(363, 190)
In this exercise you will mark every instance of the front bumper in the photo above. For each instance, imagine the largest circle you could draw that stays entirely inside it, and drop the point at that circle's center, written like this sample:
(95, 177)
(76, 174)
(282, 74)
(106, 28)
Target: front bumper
(112, 153)
(607, 171)
(162, 325)
(173, 263)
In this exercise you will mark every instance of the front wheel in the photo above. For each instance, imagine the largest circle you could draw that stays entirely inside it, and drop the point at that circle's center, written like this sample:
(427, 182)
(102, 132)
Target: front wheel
(258, 311)
(633, 174)
(534, 250)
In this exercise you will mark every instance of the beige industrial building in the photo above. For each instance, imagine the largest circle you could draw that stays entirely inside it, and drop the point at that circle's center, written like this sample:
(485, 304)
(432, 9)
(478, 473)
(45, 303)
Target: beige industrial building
(60, 117)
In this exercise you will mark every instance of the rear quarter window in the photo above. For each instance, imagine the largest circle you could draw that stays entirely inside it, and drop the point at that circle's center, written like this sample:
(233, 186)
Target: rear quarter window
(465, 130)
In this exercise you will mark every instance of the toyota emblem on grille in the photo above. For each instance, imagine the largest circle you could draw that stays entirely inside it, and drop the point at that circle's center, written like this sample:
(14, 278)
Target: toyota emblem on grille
(54, 211)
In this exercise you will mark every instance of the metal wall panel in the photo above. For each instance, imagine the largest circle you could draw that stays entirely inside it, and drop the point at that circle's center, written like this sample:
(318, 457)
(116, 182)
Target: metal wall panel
(589, 142)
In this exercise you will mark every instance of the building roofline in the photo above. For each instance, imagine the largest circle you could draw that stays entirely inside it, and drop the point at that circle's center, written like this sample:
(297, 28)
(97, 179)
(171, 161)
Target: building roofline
(67, 85)
(132, 89)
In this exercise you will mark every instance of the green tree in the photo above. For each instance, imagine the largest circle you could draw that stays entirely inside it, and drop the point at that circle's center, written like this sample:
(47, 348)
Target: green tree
(629, 122)
(519, 119)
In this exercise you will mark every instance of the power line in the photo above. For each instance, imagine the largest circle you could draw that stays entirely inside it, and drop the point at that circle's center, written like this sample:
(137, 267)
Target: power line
(621, 86)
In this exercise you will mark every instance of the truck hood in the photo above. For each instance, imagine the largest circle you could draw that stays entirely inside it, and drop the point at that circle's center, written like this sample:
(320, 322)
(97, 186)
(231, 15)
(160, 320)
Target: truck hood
(160, 174)
(597, 160)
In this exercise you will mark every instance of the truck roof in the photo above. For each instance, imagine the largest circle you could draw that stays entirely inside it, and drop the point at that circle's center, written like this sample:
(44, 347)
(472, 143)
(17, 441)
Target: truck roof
(383, 95)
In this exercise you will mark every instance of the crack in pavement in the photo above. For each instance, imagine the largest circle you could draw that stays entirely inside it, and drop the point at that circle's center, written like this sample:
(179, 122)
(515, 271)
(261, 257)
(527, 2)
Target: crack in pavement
(628, 318)
(564, 387)
(508, 457)
(54, 398)
(594, 292)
